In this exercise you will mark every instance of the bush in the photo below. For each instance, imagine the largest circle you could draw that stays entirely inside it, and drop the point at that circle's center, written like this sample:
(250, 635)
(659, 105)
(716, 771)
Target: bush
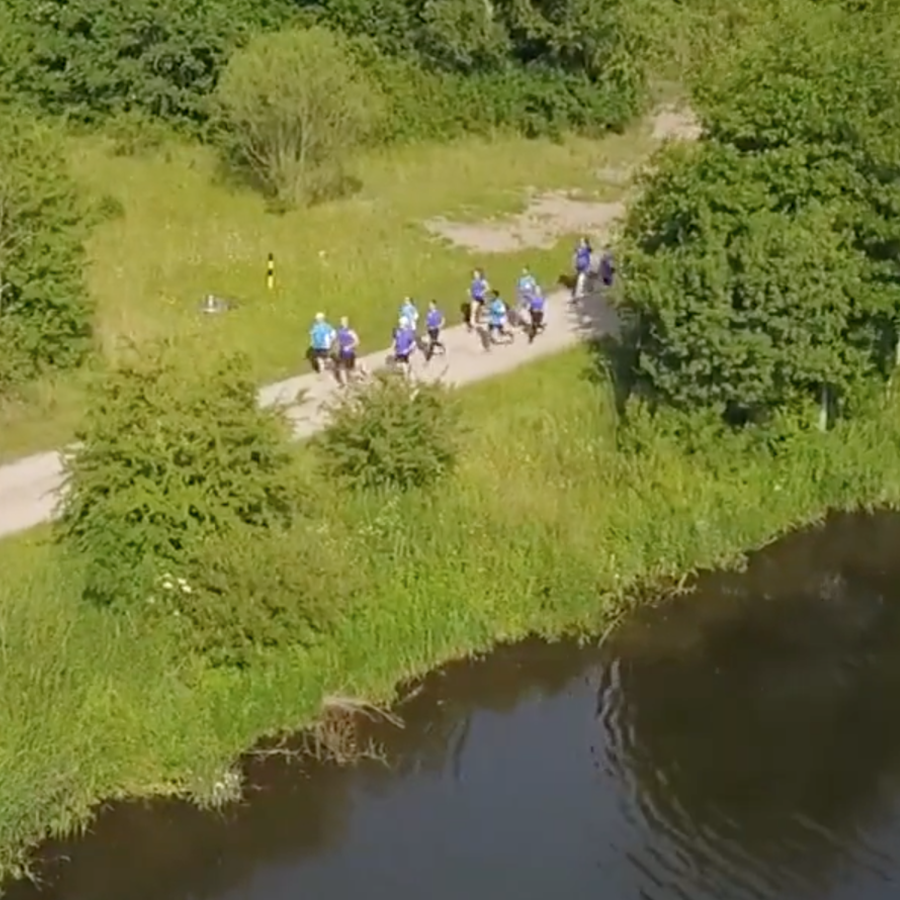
(249, 592)
(762, 266)
(294, 104)
(45, 310)
(173, 454)
(392, 434)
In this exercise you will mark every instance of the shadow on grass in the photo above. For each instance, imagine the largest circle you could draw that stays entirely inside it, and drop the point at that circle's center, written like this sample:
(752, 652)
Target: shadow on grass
(612, 362)
(235, 177)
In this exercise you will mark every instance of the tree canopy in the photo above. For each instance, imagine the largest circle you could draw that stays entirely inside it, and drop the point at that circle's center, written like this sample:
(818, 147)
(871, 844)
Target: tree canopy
(762, 265)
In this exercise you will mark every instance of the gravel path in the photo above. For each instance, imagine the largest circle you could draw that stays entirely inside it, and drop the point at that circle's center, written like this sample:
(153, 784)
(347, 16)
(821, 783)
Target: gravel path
(30, 487)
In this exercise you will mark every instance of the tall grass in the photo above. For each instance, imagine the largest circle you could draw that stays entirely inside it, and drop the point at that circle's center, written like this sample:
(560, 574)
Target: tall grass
(547, 528)
(186, 232)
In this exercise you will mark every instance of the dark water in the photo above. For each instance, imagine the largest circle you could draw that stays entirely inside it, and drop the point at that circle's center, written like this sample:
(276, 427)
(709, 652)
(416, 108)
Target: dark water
(740, 743)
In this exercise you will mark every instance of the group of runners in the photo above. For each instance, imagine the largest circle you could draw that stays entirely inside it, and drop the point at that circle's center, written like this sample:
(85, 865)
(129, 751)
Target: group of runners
(338, 347)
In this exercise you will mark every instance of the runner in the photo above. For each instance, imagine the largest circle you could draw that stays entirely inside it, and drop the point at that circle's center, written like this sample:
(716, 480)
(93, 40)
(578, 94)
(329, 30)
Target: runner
(497, 320)
(525, 287)
(321, 337)
(582, 267)
(477, 296)
(409, 311)
(404, 345)
(347, 342)
(607, 269)
(434, 322)
(536, 306)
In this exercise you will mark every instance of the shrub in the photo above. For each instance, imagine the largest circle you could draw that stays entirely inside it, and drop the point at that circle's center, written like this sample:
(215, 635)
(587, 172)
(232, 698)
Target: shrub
(392, 434)
(172, 454)
(293, 105)
(249, 592)
(45, 310)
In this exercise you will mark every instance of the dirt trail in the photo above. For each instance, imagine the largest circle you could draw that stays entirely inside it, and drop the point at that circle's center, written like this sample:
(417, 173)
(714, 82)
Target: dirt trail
(29, 488)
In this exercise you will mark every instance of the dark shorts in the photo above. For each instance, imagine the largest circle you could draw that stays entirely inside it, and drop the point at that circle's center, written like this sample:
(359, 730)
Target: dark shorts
(537, 318)
(496, 326)
(347, 361)
(434, 335)
(402, 358)
(319, 353)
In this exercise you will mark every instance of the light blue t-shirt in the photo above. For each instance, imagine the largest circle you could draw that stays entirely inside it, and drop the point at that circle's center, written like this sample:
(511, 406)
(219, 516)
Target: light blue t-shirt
(527, 285)
(321, 336)
(497, 312)
(409, 311)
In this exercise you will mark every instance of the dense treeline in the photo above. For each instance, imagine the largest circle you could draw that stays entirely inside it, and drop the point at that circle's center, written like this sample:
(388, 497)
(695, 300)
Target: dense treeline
(445, 65)
(763, 265)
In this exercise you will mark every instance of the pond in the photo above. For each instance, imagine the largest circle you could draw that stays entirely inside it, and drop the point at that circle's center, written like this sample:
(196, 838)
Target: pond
(739, 742)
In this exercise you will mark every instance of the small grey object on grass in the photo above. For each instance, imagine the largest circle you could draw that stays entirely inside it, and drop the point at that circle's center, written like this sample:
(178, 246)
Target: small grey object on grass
(212, 304)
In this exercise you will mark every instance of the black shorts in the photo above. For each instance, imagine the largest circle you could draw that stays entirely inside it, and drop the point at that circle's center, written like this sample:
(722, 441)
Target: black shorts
(401, 358)
(347, 361)
(495, 326)
(319, 353)
(537, 318)
(434, 335)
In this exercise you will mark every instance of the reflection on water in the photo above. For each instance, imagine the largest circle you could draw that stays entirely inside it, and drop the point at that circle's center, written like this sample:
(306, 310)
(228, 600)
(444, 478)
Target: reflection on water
(742, 743)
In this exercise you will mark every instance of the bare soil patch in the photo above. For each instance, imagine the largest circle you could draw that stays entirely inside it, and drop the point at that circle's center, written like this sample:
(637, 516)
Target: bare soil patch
(549, 216)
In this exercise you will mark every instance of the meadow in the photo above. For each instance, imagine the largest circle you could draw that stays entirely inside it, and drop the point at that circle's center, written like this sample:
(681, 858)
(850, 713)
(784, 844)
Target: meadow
(181, 229)
(101, 707)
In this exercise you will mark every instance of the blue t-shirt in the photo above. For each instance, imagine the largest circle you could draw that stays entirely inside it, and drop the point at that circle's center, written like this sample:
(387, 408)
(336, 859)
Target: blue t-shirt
(526, 286)
(607, 269)
(409, 311)
(404, 341)
(582, 259)
(347, 340)
(536, 301)
(479, 288)
(497, 312)
(321, 336)
(434, 319)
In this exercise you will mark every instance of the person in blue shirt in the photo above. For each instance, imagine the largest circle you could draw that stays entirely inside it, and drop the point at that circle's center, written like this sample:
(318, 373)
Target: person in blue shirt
(525, 287)
(434, 322)
(478, 292)
(497, 320)
(321, 338)
(607, 269)
(404, 345)
(536, 307)
(582, 264)
(409, 311)
(347, 343)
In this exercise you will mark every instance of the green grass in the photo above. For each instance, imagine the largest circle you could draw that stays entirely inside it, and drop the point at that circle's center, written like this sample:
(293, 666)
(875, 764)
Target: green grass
(546, 528)
(186, 232)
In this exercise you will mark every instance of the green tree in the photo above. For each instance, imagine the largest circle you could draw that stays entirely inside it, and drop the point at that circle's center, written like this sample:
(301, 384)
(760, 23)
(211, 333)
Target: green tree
(294, 104)
(392, 434)
(45, 311)
(173, 454)
(742, 284)
(86, 58)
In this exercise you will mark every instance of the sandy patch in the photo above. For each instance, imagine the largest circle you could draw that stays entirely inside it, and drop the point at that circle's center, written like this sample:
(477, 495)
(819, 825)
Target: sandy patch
(549, 216)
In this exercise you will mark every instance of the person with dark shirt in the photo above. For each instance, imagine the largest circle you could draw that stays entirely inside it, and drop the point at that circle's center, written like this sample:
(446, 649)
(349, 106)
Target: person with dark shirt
(404, 345)
(582, 264)
(434, 322)
(536, 307)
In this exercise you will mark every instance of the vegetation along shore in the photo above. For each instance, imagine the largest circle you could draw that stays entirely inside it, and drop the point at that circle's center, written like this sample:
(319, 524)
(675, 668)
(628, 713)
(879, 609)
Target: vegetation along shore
(210, 582)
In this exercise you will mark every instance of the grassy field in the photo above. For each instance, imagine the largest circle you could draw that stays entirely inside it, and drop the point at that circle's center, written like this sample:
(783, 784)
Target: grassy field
(186, 232)
(97, 708)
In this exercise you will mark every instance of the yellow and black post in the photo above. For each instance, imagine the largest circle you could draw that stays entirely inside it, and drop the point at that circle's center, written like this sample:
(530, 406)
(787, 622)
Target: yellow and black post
(270, 273)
